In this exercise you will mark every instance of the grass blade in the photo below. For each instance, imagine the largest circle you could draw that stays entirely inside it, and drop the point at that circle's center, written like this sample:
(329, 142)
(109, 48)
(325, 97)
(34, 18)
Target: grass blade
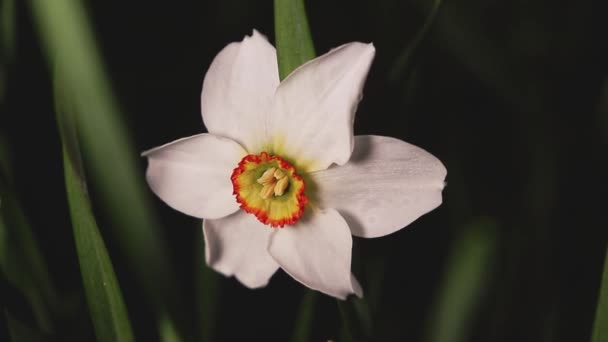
(167, 330)
(19, 332)
(464, 280)
(303, 326)
(114, 172)
(356, 319)
(207, 284)
(104, 298)
(600, 326)
(21, 260)
(293, 41)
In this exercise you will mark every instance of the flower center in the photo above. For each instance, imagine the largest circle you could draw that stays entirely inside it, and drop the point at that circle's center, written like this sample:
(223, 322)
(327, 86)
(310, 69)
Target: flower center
(274, 182)
(268, 187)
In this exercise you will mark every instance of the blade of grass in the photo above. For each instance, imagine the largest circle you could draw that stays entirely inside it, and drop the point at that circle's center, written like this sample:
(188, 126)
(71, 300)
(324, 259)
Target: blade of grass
(292, 35)
(356, 319)
(7, 29)
(21, 260)
(71, 50)
(7, 41)
(104, 298)
(304, 320)
(463, 283)
(600, 326)
(19, 332)
(23, 264)
(207, 294)
(167, 330)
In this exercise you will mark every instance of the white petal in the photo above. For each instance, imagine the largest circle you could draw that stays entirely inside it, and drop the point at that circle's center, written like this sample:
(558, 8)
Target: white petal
(312, 119)
(238, 245)
(317, 252)
(192, 174)
(238, 90)
(386, 185)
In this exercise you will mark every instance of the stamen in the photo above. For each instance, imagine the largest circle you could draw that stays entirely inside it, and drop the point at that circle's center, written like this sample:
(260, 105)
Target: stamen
(278, 174)
(267, 176)
(282, 184)
(267, 190)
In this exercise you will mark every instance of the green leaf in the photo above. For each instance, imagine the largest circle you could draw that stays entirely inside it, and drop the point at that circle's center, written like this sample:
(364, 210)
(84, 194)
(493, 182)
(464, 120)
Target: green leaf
(207, 282)
(20, 332)
(7, 29)
(304, 320)
(104, 298)
(167, 330)
(356, 319)
(21, 264)
(7, 41)
(110, 156)
(21, 260)
(463, 283)
(600, 326)
(293, 41)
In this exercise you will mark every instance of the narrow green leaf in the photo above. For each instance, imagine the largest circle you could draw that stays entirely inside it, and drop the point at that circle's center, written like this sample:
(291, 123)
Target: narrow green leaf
(24, 271)
(356, 319)
(108, 312)
(600, 326)
(20, 332)
(463, 283)
(114, 172)
(7, 29)
(21, 260)
(167, 330)
(207, 291)
(304, 320)
(7, 41)
(293, 41)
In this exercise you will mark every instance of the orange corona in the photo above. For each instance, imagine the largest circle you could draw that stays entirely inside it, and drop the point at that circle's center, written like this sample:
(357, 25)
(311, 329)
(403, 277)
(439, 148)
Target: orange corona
(268, 187)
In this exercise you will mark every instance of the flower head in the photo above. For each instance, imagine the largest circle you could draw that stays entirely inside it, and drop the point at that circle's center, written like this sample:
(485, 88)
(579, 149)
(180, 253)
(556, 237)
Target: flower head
(280, 180)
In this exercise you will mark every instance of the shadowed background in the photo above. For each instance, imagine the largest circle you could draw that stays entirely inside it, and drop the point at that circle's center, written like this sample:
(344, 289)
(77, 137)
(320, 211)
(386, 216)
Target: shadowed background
(511, 96)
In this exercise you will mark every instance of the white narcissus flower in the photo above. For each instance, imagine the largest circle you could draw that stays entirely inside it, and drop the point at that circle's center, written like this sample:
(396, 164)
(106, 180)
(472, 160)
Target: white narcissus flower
(264, 180)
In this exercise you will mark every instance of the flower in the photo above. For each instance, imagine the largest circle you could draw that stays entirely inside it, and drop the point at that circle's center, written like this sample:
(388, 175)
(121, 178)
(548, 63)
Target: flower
(280, 180)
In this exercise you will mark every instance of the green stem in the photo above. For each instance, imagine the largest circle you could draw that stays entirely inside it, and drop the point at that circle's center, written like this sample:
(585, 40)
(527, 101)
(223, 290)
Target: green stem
(600, 326)
(292, 35)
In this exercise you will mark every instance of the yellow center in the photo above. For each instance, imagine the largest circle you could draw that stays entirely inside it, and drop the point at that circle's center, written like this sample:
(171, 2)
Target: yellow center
(269, 187)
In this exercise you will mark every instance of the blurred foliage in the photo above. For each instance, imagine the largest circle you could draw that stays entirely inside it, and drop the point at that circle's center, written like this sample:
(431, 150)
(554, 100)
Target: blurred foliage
(71, 50)
(511, 96)
(466, 277)
(305, 319)
(600, 325)
(106, 306)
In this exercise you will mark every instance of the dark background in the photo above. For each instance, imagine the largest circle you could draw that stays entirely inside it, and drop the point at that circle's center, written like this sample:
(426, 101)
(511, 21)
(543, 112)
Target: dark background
(512, 96)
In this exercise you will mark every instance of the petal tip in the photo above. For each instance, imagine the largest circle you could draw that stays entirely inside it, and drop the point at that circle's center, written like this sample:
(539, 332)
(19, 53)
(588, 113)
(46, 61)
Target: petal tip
(255, 34)
(147, 153)
(251, 283)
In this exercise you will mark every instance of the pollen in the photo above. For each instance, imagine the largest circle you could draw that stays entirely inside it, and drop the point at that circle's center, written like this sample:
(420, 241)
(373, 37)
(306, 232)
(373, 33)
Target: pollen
(269, 187)
(274, 182)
